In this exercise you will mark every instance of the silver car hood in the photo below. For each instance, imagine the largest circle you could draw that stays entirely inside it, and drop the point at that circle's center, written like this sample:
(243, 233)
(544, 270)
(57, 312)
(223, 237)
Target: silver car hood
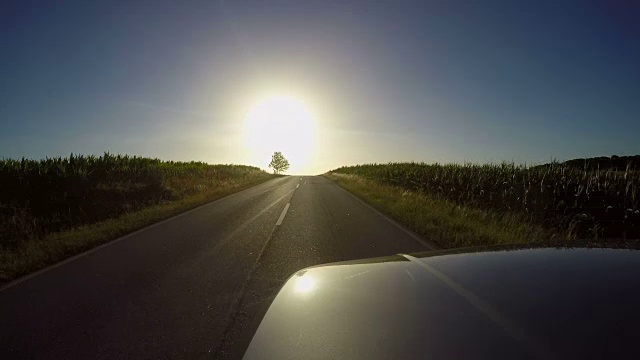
(527, 303)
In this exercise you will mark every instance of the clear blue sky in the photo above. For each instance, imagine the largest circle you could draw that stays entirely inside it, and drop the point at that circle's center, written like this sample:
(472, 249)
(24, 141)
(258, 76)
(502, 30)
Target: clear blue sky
(446, 81)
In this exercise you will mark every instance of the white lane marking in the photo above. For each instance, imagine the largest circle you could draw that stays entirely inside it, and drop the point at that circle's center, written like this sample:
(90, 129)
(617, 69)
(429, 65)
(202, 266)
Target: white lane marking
(284, 212)
(297, 186)
(300, 178)
(248, 222)
(240, 298)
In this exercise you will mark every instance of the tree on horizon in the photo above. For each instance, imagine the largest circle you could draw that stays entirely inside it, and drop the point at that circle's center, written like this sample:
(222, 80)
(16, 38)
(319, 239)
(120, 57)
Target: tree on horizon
(279, 163)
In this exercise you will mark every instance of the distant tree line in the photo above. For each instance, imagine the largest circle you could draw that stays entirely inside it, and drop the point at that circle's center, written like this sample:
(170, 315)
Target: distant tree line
(619, 163)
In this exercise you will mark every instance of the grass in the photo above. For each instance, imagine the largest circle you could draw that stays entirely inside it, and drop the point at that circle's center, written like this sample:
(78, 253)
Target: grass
(590, 202)
(442, 222)
(40, 197)
(35, 254)
(128, 194)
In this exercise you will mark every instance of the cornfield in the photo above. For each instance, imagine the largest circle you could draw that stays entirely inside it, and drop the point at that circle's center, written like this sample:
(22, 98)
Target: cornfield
(42, 196)
(583, 202)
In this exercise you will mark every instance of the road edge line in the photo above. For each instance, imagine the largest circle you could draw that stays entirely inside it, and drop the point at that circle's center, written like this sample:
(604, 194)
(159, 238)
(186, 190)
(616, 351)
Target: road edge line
(412, 234)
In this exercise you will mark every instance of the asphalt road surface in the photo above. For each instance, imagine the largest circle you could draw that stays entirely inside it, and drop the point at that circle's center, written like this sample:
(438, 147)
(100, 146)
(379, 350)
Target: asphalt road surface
(196, 285)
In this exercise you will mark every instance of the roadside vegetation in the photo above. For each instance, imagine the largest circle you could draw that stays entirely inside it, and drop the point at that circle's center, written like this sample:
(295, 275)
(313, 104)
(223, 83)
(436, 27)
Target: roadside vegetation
(54, 208)
(461, 205)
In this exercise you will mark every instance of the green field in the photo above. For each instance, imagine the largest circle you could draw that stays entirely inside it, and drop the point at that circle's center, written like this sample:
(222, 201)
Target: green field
(566, 200)
(54, 208)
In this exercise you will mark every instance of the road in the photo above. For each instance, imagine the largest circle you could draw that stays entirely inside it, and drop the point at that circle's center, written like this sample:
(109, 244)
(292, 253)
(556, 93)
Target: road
(196, 285)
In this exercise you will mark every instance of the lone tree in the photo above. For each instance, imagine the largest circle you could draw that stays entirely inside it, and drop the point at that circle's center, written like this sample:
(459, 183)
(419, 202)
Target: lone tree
(278, 163)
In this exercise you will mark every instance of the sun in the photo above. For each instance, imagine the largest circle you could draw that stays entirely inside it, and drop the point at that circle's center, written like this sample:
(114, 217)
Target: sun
(280, 123)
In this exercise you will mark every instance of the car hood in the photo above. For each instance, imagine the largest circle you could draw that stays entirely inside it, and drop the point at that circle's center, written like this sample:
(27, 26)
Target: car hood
(525, 303)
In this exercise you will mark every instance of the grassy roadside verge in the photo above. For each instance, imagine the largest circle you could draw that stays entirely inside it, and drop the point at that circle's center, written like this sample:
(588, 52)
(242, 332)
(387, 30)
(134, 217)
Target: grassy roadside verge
(33, 255)
(441, 222)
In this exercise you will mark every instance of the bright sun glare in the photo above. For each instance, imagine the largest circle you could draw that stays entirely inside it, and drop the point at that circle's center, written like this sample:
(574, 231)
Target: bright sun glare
(280, 123)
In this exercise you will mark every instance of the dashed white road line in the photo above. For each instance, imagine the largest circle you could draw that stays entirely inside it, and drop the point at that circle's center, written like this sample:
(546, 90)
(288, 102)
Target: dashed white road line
(284, 212)
(240, 228)
(297, 186)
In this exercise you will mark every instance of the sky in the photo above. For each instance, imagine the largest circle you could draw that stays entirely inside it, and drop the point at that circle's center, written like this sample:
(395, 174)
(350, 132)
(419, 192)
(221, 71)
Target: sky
(379, 81)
